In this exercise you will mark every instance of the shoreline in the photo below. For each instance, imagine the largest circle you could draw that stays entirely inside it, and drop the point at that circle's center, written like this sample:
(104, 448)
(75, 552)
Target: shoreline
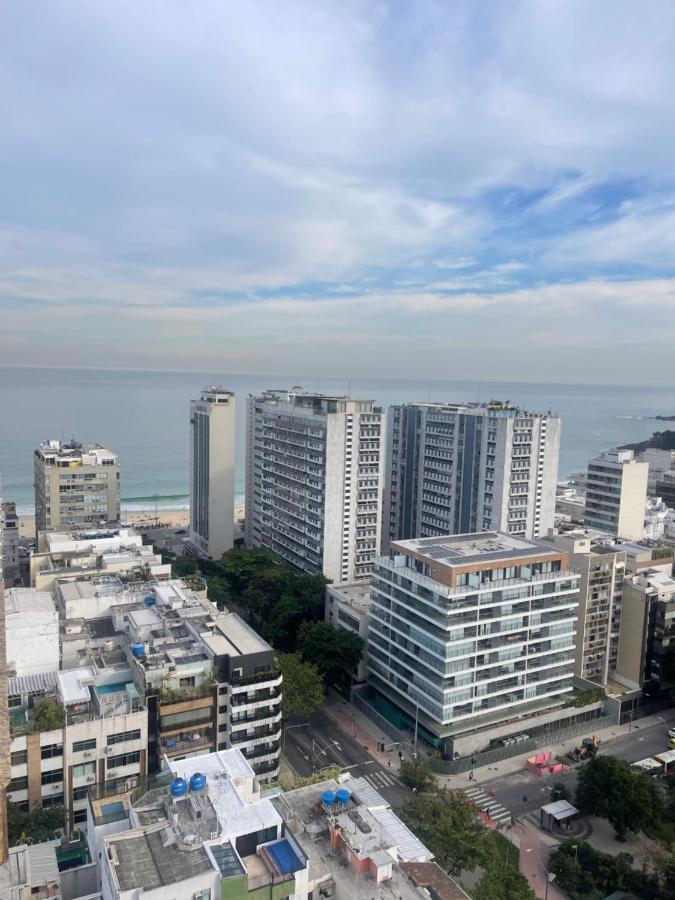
(167, 517)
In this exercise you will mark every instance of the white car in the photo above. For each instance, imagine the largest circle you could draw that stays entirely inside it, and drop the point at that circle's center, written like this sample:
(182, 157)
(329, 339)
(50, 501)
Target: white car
(671, 732)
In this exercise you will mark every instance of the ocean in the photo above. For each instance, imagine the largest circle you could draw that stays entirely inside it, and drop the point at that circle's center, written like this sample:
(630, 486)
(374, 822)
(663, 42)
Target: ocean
(143, 417)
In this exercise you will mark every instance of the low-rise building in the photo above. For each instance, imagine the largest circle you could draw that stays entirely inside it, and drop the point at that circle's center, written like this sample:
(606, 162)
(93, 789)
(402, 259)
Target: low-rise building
(347, 608)
(78, 555)
(32, 632)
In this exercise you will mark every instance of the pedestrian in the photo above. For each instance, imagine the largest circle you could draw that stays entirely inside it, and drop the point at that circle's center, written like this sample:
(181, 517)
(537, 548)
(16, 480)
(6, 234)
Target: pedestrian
(389, 763)
(471, 775)
(487, 812)
(524, 798)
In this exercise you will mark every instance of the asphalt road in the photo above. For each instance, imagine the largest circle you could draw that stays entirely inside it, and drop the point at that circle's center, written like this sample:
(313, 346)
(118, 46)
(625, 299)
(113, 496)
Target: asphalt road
(523, 792)
(321, 743)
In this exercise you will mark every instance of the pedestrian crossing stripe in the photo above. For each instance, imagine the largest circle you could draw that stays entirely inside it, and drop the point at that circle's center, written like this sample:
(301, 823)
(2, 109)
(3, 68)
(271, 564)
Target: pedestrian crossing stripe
(377, 779)
(479, 798)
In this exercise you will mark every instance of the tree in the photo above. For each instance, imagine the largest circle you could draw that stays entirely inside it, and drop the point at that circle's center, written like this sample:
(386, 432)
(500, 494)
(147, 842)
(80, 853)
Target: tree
(500, 881)
(47, 715)
(448, 825)
(182, 566)
(585, 873)
(417, 776)
(302, 686)
(610, 788)
(560, 792)
(33, 827)
(334, 651)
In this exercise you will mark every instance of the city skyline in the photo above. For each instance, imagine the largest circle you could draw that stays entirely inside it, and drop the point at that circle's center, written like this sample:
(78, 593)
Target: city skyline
(402, 190)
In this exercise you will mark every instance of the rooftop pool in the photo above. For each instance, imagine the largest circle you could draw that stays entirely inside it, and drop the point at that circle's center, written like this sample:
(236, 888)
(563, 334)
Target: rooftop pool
(112, 688)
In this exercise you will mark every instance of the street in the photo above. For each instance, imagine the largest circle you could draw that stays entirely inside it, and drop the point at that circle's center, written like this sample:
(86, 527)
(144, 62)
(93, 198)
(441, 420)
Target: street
(522, 792)
(321, 743)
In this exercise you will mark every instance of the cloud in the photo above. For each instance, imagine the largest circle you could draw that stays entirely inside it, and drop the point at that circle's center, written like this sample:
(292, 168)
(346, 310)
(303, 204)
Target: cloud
(244, 171)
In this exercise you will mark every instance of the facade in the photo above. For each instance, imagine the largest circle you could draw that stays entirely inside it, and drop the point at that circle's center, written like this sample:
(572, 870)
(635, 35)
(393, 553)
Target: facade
(616, 494)
(212, 451)
(313, 481)
(462, 468)
(9, 558)
(5, 770)
(76, 485)
(601, 564)
(647, 629)
(347, 608)
(469, 633)
(661, 464)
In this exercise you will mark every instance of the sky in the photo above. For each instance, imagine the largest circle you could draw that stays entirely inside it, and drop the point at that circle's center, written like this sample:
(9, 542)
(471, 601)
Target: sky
(424, 189)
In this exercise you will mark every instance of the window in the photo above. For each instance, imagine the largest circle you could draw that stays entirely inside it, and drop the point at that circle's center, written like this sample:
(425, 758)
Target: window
(79, 816)
(17, 758)
(121, 736)
(89, 744)
(53, 800)
(80, 793)
(187, 682)
(204, 894)
(18, 784)
(84, 769)
(124, 759)
(51, 777)
(49, 751)
(14, 700)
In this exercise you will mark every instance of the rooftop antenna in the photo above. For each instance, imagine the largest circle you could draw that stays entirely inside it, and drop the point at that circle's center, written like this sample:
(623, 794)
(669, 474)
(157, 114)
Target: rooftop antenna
(349, 387)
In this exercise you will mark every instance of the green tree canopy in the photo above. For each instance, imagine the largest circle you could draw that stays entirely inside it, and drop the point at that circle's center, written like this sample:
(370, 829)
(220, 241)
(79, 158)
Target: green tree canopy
(182, 566)
(560, 792)
(585, 873)
(47, 715)
(417, 776)
(610, 788)
(33, 827)
(334, 651)
(500, 881)
(447, 824)
(303, 690)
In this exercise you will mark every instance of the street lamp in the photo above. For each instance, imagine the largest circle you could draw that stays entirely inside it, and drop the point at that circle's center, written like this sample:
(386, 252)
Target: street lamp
(550, 876)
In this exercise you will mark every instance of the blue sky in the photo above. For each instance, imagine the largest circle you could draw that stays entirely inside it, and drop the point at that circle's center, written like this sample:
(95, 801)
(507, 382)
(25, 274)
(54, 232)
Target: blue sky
(433, 189)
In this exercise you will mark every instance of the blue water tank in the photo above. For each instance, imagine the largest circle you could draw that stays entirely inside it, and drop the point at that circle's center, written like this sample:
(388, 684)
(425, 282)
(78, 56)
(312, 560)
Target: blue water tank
(342, 796)
(178, 787)
(138, 649)
(149, 600)
(328, 798)
(197, 782)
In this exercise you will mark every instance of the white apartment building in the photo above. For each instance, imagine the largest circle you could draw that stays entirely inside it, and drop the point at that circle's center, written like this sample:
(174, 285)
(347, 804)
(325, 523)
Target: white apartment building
(9, 542)
(212, 456)
(616, 494)
(602, 564)
(661, 463)
(313, 481)
(463, 468)
(473, 636)
(76, 485)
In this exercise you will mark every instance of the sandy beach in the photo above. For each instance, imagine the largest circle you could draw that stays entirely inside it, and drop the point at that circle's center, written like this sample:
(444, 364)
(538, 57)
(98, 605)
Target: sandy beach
(171, 518)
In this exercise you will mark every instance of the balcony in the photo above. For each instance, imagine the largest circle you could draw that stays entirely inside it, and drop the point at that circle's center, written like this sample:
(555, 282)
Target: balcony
(272, 675)
(241, 737)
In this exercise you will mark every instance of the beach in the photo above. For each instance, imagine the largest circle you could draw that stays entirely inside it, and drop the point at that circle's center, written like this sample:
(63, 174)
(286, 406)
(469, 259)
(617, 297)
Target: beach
(170, 518)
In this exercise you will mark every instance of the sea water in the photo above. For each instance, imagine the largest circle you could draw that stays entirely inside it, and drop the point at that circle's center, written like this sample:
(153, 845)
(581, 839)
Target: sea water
(144, 418)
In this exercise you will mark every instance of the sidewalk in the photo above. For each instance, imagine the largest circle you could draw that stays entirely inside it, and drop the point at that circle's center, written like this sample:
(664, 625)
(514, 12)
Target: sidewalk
(533, 863)
(518, 763)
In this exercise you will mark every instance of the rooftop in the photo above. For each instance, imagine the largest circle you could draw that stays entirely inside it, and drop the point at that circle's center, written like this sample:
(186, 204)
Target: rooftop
(356, 595)
(29, 602)
(231, 636)
(73, 449)
(146, 861)
(482, 547)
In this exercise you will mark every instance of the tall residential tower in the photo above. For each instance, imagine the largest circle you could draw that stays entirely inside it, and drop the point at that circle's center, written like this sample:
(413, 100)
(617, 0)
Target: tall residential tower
(616, 494)
(313, 481)
(461, 468)
(212, 451)
(76, 485)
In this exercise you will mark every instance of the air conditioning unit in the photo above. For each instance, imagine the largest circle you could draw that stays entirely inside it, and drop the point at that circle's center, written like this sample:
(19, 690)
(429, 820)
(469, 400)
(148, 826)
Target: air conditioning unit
(112, 774)
(107, 749)
(91, 778)
(87, 754)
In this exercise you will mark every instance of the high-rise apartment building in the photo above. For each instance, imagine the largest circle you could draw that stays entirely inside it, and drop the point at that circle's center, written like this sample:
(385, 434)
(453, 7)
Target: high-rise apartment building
(313, 481)
(5, 769)
(212, 450)
(647, 630)
(462, 468)
(616, 494)
(472, 636)
(601, 564)
(76, 485)
(9, 540)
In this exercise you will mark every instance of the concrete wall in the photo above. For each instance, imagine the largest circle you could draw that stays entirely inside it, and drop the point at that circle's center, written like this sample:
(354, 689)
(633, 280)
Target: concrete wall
(633, 634)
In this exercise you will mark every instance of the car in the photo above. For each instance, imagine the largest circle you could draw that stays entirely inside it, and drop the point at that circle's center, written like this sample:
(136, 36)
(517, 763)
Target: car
(671, 732)
(671, 743)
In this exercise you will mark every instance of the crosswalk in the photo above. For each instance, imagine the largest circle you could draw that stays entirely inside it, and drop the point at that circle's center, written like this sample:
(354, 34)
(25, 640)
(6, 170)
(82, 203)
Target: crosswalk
(498, 813)
(379, 780)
